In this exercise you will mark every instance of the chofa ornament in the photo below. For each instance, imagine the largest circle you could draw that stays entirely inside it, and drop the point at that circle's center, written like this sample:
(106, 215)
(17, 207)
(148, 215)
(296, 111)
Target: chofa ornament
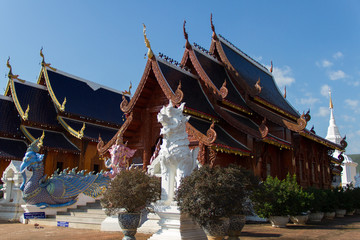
(175, 160)
(60, 189)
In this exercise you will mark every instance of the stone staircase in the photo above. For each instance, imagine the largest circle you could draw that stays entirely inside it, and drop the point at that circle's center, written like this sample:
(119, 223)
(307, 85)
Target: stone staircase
(89, 216)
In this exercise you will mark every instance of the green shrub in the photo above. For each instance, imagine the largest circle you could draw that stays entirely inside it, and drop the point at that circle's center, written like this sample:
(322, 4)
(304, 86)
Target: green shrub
(317, 204)
(209, 194)
(280, 198)
(132, 190)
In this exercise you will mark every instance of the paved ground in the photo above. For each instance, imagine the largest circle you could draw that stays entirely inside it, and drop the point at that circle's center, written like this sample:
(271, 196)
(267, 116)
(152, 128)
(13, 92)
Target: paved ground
(340, 228)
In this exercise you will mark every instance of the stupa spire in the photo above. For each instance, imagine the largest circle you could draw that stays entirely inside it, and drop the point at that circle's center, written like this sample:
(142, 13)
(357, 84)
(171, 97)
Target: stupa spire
(333, 133)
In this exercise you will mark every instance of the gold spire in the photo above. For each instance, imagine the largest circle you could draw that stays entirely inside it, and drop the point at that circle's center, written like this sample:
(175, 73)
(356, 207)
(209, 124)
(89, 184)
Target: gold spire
(150, 53)
(331, 106)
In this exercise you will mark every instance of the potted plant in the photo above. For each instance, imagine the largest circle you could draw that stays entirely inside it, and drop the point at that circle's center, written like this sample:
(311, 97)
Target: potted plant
(341, 202)
(317, 204)
(127, 195)
(357, 203)
(213, 195)
(273, 200)
(349, 199)
(330, 204)
(299, 200)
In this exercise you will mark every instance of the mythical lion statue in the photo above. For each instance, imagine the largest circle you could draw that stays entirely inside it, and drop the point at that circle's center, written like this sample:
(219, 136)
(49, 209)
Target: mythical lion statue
(175, 160)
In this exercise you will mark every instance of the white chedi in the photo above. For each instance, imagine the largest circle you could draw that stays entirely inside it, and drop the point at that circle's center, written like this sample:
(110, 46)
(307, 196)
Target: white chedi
(175, 159)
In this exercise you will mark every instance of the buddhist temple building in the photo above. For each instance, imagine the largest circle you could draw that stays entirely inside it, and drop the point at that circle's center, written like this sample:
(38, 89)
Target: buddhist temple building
(71, 127)
(237, 114)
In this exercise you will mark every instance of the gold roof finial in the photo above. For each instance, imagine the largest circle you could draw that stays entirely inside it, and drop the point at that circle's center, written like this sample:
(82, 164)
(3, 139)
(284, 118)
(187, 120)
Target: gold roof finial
(41, 139)
(10, 74)
(271, 67)
(285, 92)
(43, 63)
(127, 92)
(331, 106)
(150, 53)
(211, 22)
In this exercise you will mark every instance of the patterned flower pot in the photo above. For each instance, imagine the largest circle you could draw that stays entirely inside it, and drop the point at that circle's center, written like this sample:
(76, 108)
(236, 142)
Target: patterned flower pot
(350, 213)
(217, 230)
(340, 213)
(129, 223)
(329, 215)
(299, 220)
(279, 221)
(316, 216)
(237, 223)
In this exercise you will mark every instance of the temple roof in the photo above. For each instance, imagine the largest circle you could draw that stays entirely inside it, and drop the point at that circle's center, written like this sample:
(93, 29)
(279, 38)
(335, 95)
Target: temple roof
(12, 149)
(217, 74)
(83, 98)
(92, 131)
(251, 71)
(9, 121)
(194, 97)
(52, 139)
(224, 140)
(35, 98)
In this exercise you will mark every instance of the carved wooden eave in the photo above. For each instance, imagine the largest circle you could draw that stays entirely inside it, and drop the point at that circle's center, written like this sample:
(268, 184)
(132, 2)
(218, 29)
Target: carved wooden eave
(78, 134)
(263, 129)
(59, 106)
(207, 139)
(102, 147)
(229, 150)
(301, 123)
(235, 123)
(320, 140)
(278, 143)
(151, 65)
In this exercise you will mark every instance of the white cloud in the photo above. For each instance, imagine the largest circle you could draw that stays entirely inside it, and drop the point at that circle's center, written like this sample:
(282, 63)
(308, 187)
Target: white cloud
(335, 75)
(308, 101)
(352, 103)
(283, 76)
(338, 55)
(325, 90)
(324, 63)
(348, 118)
(323, 112)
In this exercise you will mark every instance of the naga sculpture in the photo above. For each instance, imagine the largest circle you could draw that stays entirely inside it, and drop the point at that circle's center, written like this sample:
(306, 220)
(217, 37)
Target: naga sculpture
(175, 159)
(60, 189)
(120, 155)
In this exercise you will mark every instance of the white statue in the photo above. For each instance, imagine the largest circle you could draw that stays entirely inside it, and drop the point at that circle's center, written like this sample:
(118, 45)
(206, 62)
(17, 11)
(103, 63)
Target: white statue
(175, 159)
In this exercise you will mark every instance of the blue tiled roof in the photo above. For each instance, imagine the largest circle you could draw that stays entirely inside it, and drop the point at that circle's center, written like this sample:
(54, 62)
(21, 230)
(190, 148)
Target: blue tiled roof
(250, 72)
(86, 99)
(9, 120)
(12, 149)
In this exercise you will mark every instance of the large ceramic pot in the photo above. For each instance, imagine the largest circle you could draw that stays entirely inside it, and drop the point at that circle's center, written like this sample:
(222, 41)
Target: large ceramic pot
(340, 213)
(316, 216)
(217, 230)
(279, 221)
(237, 223)
(129, 223)
(300, 219)
(329, 215)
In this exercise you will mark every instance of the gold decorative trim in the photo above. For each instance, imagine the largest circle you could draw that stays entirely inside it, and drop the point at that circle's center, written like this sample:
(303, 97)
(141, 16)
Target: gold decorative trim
(27, 134)
(59, 106)
(274, 108)
(275, 143)
(199, 114)
(23, 115)
(304, 134)
(229, 150)
(230, 104)
(43, 63)
(77, 134)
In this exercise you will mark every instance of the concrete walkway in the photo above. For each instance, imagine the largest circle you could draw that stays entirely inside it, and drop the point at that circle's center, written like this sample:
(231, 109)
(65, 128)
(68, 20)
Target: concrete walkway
(340, 228)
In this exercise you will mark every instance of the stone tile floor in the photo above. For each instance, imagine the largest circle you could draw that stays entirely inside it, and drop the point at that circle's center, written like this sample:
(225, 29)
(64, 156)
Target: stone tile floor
(339, 228)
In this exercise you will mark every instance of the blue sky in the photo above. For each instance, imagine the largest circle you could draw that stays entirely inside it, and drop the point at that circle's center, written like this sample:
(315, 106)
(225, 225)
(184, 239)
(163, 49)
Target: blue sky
(314, 45)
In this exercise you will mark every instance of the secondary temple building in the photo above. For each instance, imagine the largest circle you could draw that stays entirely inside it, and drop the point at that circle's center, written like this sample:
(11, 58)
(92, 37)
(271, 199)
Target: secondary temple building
(67, 109)
(238, 115)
